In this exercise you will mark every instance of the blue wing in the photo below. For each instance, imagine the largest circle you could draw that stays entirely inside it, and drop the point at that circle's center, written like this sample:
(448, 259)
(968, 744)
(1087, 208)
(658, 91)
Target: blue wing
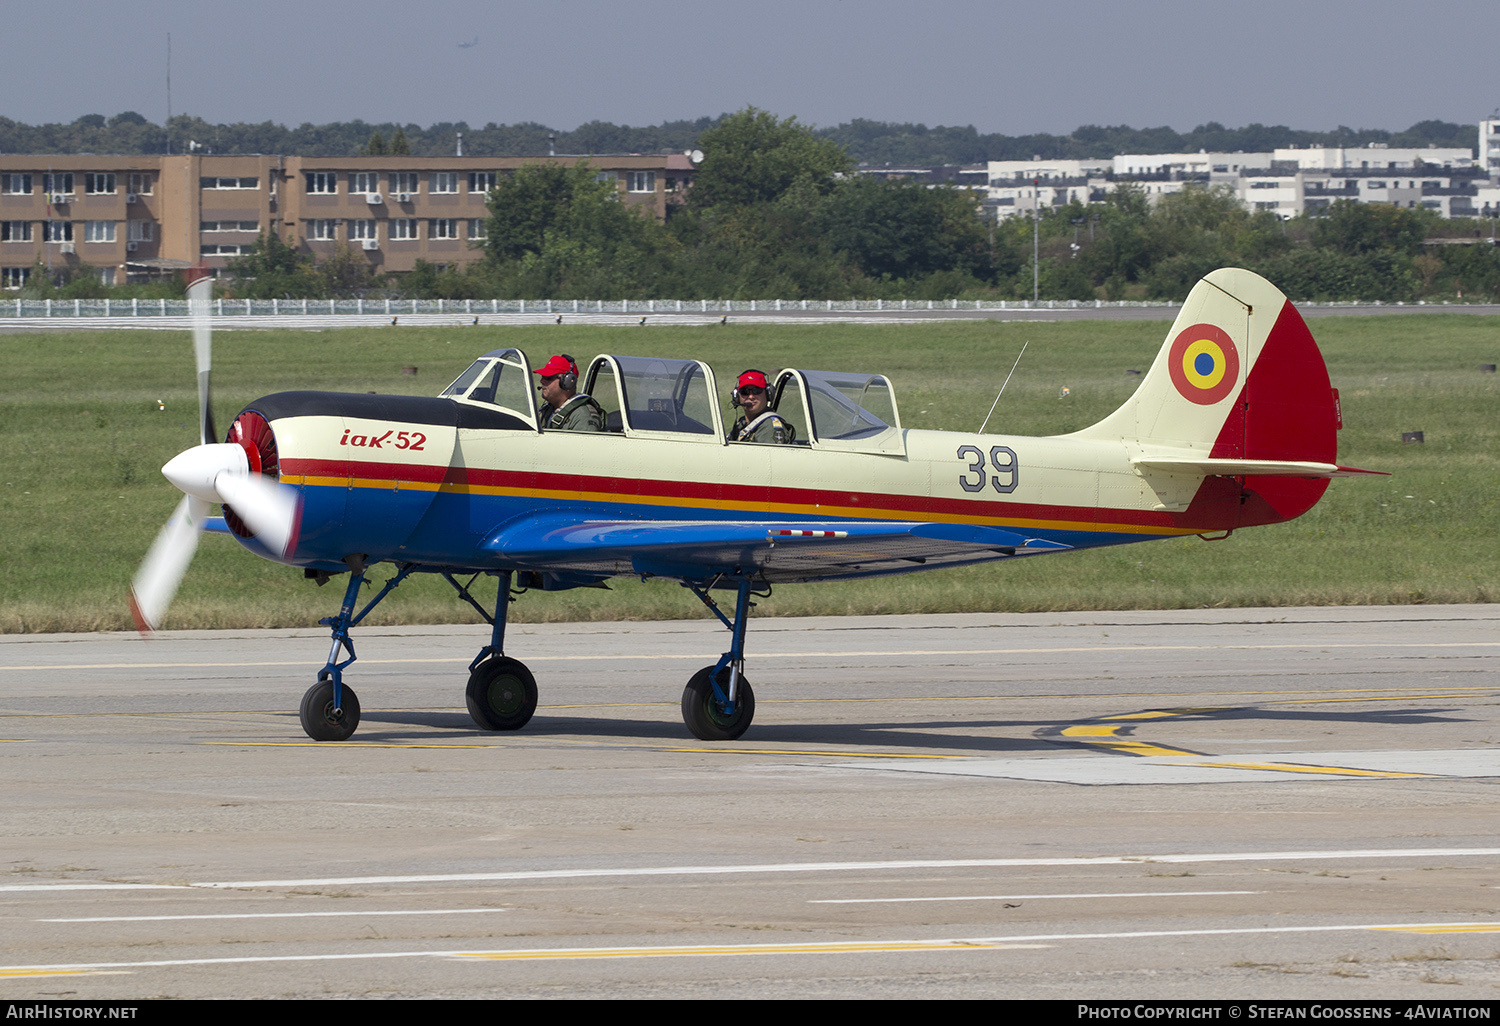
(773, 550)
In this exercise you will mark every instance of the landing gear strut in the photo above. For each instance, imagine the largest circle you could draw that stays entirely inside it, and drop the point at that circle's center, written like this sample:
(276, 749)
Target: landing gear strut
(718, 704)
(330, 709)
(502, 692)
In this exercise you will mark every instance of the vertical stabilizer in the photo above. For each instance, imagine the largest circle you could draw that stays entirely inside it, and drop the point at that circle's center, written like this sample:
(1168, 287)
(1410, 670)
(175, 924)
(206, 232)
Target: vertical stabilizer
(1239, 378)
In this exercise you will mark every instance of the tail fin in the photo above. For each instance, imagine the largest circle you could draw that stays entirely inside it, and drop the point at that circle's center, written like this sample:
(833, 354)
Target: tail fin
(1238, 390)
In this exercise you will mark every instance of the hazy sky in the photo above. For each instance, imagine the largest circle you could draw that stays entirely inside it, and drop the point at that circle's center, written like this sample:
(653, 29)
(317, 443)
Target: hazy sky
(999, 65)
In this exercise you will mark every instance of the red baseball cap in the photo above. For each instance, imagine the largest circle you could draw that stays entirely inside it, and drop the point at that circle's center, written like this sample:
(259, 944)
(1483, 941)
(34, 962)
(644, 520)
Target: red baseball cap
(558, 365)
(752, 379)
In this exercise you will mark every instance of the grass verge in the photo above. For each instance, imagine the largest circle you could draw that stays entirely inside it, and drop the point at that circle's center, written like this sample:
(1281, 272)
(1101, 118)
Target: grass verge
(86, 420)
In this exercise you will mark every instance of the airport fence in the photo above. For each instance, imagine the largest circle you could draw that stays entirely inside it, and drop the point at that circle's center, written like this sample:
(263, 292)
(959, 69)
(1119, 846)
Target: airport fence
(82, 308)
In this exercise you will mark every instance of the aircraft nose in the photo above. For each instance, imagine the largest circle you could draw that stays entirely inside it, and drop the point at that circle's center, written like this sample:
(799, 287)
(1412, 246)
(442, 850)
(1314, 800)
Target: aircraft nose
(195, 471)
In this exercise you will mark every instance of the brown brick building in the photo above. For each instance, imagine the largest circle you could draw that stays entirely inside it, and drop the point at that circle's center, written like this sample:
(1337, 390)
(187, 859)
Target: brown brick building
(129, 218)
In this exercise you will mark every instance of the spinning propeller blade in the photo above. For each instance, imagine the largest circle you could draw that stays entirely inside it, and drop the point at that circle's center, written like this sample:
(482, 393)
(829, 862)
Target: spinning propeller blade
(161, 572)
(200, 295)
(273, 511)
(209, 472)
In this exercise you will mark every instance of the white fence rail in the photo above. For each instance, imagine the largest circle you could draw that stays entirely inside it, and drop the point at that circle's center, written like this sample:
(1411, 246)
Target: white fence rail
(396, 307)
(10, 308)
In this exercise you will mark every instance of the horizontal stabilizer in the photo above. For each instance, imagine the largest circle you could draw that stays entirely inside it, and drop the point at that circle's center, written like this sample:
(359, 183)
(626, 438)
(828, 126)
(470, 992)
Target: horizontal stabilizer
(1210, 467)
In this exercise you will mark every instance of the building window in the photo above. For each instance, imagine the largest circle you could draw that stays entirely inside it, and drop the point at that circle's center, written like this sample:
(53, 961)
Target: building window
(15, 185)
(403, 228)
(140, 182)
(99, 231)
(58, 183)
(15, 231)
(324, 183)
(362, 230)
(607, 176)
(14, 277)
(57, 231)
(229, 226)
(140, 231)
(99, 183)
(478, 229)
(230, 183)
(237, 250)
(642, 181)
(106, 275)
(323, 229)
(364, 182)
(481, 181)
(443, 181)
(404, 182)
(442, 228)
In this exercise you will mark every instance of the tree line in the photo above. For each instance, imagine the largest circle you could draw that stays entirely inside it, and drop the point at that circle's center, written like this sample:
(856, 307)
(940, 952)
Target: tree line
(777, 212)
(865, 141)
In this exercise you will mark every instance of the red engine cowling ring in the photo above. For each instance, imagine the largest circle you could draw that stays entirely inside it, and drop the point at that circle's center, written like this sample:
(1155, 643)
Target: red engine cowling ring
(251, 432)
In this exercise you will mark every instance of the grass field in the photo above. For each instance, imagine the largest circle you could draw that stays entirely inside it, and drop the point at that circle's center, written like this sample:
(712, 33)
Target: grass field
(82, 439)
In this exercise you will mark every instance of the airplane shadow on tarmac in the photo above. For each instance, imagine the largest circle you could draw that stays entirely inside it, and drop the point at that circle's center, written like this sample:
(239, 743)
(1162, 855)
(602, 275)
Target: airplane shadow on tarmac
(968, 734)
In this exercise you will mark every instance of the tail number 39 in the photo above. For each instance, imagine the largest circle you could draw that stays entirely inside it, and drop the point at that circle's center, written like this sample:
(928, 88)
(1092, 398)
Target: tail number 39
(1002, 460)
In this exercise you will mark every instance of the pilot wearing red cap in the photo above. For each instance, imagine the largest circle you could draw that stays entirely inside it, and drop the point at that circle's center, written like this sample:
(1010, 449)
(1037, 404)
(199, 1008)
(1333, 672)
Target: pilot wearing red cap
(758, 422)
(566, 408)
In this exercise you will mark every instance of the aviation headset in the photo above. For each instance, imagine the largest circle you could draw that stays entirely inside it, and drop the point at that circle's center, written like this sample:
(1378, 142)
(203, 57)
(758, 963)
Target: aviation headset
(734, 395)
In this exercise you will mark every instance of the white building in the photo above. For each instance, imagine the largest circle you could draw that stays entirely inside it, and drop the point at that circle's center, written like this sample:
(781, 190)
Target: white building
(1489, 144)
(1200, 163)
(1039, 168)
(1375, 156)
(1287, 181)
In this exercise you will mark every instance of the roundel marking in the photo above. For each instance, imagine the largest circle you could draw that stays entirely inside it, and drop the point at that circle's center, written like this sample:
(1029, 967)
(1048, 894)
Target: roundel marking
(1205, 364)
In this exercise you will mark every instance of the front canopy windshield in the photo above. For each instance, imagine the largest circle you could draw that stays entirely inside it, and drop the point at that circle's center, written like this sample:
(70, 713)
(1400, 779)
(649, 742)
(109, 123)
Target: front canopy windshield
(499, 378)
(848, 406)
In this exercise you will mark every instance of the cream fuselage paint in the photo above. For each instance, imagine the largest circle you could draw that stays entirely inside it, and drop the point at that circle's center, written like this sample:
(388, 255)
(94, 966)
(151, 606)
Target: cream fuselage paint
(1053, 483)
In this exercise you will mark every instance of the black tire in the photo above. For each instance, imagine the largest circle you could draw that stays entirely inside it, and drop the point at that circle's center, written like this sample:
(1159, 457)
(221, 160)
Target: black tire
(501, 694)
(318, 717)
(701, 712)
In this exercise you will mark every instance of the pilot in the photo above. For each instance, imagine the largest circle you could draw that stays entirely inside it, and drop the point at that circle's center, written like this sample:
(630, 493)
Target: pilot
(758, 422)
(566, 408)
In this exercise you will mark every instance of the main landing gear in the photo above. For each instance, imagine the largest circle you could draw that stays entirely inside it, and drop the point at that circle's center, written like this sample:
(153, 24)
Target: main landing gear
(717, 704)
(501, 693)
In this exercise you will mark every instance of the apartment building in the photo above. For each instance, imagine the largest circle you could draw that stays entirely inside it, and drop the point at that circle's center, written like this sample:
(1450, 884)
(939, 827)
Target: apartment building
(132, 218)
(1287, 182)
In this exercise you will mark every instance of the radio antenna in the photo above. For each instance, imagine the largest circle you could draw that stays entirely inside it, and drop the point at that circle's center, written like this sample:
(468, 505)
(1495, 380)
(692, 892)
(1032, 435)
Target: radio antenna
(998, 394)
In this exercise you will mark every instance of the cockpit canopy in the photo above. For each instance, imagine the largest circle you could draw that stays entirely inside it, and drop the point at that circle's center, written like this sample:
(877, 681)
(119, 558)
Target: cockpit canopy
(666, 398)
(654, 396)
(500, 378)
(840, 410)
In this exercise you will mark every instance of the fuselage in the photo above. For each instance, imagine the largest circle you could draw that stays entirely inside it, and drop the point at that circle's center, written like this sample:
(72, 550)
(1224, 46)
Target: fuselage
(429, 480)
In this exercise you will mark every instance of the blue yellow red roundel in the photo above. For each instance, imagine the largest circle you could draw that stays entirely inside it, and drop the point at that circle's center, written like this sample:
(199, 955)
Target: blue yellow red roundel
(1205, 364)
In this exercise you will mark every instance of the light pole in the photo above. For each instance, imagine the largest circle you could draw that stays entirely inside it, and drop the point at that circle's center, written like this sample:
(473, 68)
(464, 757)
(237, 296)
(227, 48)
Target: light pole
(1036, 226)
